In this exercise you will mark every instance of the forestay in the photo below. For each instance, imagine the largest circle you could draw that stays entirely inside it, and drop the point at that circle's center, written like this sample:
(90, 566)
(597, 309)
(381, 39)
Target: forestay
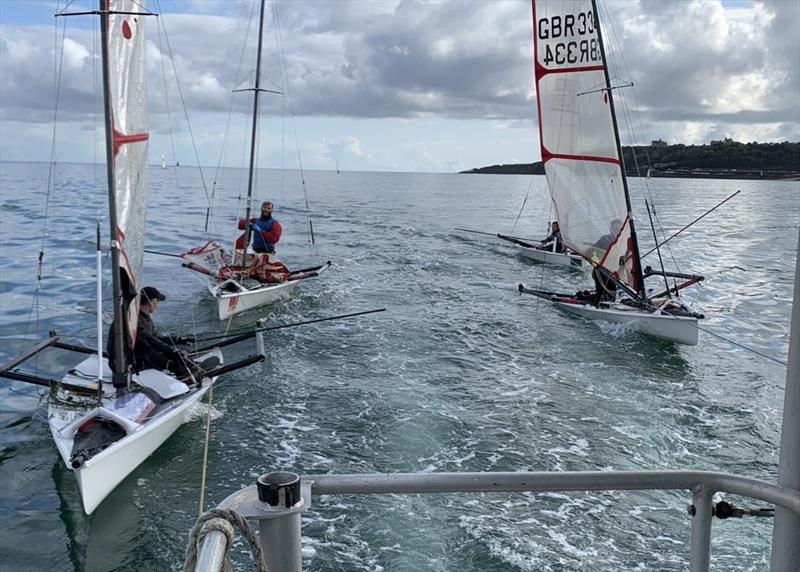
(579, 144)
(128, 100)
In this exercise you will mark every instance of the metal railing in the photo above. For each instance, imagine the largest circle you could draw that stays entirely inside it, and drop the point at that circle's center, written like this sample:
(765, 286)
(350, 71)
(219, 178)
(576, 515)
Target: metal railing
(280, 525)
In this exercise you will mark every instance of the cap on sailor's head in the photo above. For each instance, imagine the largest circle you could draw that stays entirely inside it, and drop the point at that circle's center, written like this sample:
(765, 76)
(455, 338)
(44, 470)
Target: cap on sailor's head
(149, 293)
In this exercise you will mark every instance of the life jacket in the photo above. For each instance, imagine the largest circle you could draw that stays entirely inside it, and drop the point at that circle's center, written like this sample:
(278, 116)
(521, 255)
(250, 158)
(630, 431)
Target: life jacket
(258, 239)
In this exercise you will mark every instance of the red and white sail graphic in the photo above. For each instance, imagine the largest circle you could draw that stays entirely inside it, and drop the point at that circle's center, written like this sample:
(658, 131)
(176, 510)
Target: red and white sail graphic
(128, 94)
(578, 140)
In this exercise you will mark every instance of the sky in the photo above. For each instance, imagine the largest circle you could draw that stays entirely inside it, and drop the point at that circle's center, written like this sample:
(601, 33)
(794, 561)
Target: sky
(392, 85)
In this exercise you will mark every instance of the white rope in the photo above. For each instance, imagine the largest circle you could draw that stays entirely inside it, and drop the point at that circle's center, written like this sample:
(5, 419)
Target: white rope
(222, 520)
(205, 449)
(522, 208)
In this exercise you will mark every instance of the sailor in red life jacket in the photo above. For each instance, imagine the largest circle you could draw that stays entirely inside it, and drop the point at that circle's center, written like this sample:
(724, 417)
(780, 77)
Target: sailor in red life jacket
(266, 231)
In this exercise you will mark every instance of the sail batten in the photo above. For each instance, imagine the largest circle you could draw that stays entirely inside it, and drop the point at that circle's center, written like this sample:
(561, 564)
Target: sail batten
(578, 140)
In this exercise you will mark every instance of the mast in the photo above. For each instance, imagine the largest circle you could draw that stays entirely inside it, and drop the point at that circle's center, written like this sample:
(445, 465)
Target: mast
(638, 279)
(120, 376)
(99, 266)
(257, 91)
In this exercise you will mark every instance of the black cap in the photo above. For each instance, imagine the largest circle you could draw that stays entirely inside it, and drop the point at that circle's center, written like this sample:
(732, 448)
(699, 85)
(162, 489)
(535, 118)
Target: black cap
(150, 293)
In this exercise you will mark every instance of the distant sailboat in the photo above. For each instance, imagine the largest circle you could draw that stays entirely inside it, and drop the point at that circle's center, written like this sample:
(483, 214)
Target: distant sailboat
(337, 166)
(163, 162)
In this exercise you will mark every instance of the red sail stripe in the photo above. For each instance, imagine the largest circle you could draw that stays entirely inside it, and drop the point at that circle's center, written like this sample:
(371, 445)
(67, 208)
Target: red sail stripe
(542, 71)
(121, 139)
(547, 155)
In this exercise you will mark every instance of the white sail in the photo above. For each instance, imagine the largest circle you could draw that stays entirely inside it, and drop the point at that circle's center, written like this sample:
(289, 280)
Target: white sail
(128, 96)
(578, 141)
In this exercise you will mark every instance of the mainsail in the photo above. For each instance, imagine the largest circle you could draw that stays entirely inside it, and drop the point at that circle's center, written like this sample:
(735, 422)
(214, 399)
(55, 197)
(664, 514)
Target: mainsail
(128, 104)
(578, 136)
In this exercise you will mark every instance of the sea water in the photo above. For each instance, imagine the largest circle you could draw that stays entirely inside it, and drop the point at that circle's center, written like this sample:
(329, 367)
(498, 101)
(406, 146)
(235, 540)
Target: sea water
(460, 373)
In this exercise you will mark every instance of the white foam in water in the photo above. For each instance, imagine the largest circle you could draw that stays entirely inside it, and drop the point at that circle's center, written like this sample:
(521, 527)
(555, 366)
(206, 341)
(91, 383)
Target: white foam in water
(578, 448)
(616, 330)
(200, 411)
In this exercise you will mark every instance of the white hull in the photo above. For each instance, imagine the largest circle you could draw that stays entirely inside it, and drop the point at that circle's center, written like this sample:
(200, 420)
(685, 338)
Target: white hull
(244, 298)
(100, 475)
(233, 303)
(682, 330)
(555, 258)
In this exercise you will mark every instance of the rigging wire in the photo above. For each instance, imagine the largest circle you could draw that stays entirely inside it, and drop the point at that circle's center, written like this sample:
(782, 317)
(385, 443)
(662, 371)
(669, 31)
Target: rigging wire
(166, 97)
(58, 64)
(730, 341)
(185, 108)
(288, 97)
(142, 6)
(161, 30)
(522, 208)
(218, 171)
(744, 347)
(627, 115)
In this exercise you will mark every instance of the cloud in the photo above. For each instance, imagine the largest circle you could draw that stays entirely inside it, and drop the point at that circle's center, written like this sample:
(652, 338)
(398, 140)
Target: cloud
(333, 149)
(701, 62)
(207, 87)
(698, 61)
(75, 56)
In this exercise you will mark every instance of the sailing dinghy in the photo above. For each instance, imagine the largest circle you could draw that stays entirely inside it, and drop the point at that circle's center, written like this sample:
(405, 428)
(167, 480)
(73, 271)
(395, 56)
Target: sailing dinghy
(242, 279)
(528, 248)
(581, 153)
(230, 280)
(106, 422)
(546, 254)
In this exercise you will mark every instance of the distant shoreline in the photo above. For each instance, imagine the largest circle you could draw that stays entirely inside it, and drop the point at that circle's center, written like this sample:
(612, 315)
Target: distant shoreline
(749, 174)
(725, 159)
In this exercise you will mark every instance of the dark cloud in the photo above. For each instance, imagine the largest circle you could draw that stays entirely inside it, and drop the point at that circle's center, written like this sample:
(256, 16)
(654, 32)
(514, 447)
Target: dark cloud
(694, 61)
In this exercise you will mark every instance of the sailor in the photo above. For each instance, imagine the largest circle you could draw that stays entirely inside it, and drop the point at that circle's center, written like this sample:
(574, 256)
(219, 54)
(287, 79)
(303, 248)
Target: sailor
(158, 352)
(605, 286)
(555, 235)
(615, 226)
(266, 230)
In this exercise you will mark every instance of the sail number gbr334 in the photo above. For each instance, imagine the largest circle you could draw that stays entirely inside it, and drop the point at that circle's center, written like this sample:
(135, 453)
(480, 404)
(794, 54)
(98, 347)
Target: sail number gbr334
(561, 38)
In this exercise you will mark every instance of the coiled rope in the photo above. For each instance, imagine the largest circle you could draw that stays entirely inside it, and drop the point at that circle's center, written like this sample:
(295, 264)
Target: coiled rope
(222, 520)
